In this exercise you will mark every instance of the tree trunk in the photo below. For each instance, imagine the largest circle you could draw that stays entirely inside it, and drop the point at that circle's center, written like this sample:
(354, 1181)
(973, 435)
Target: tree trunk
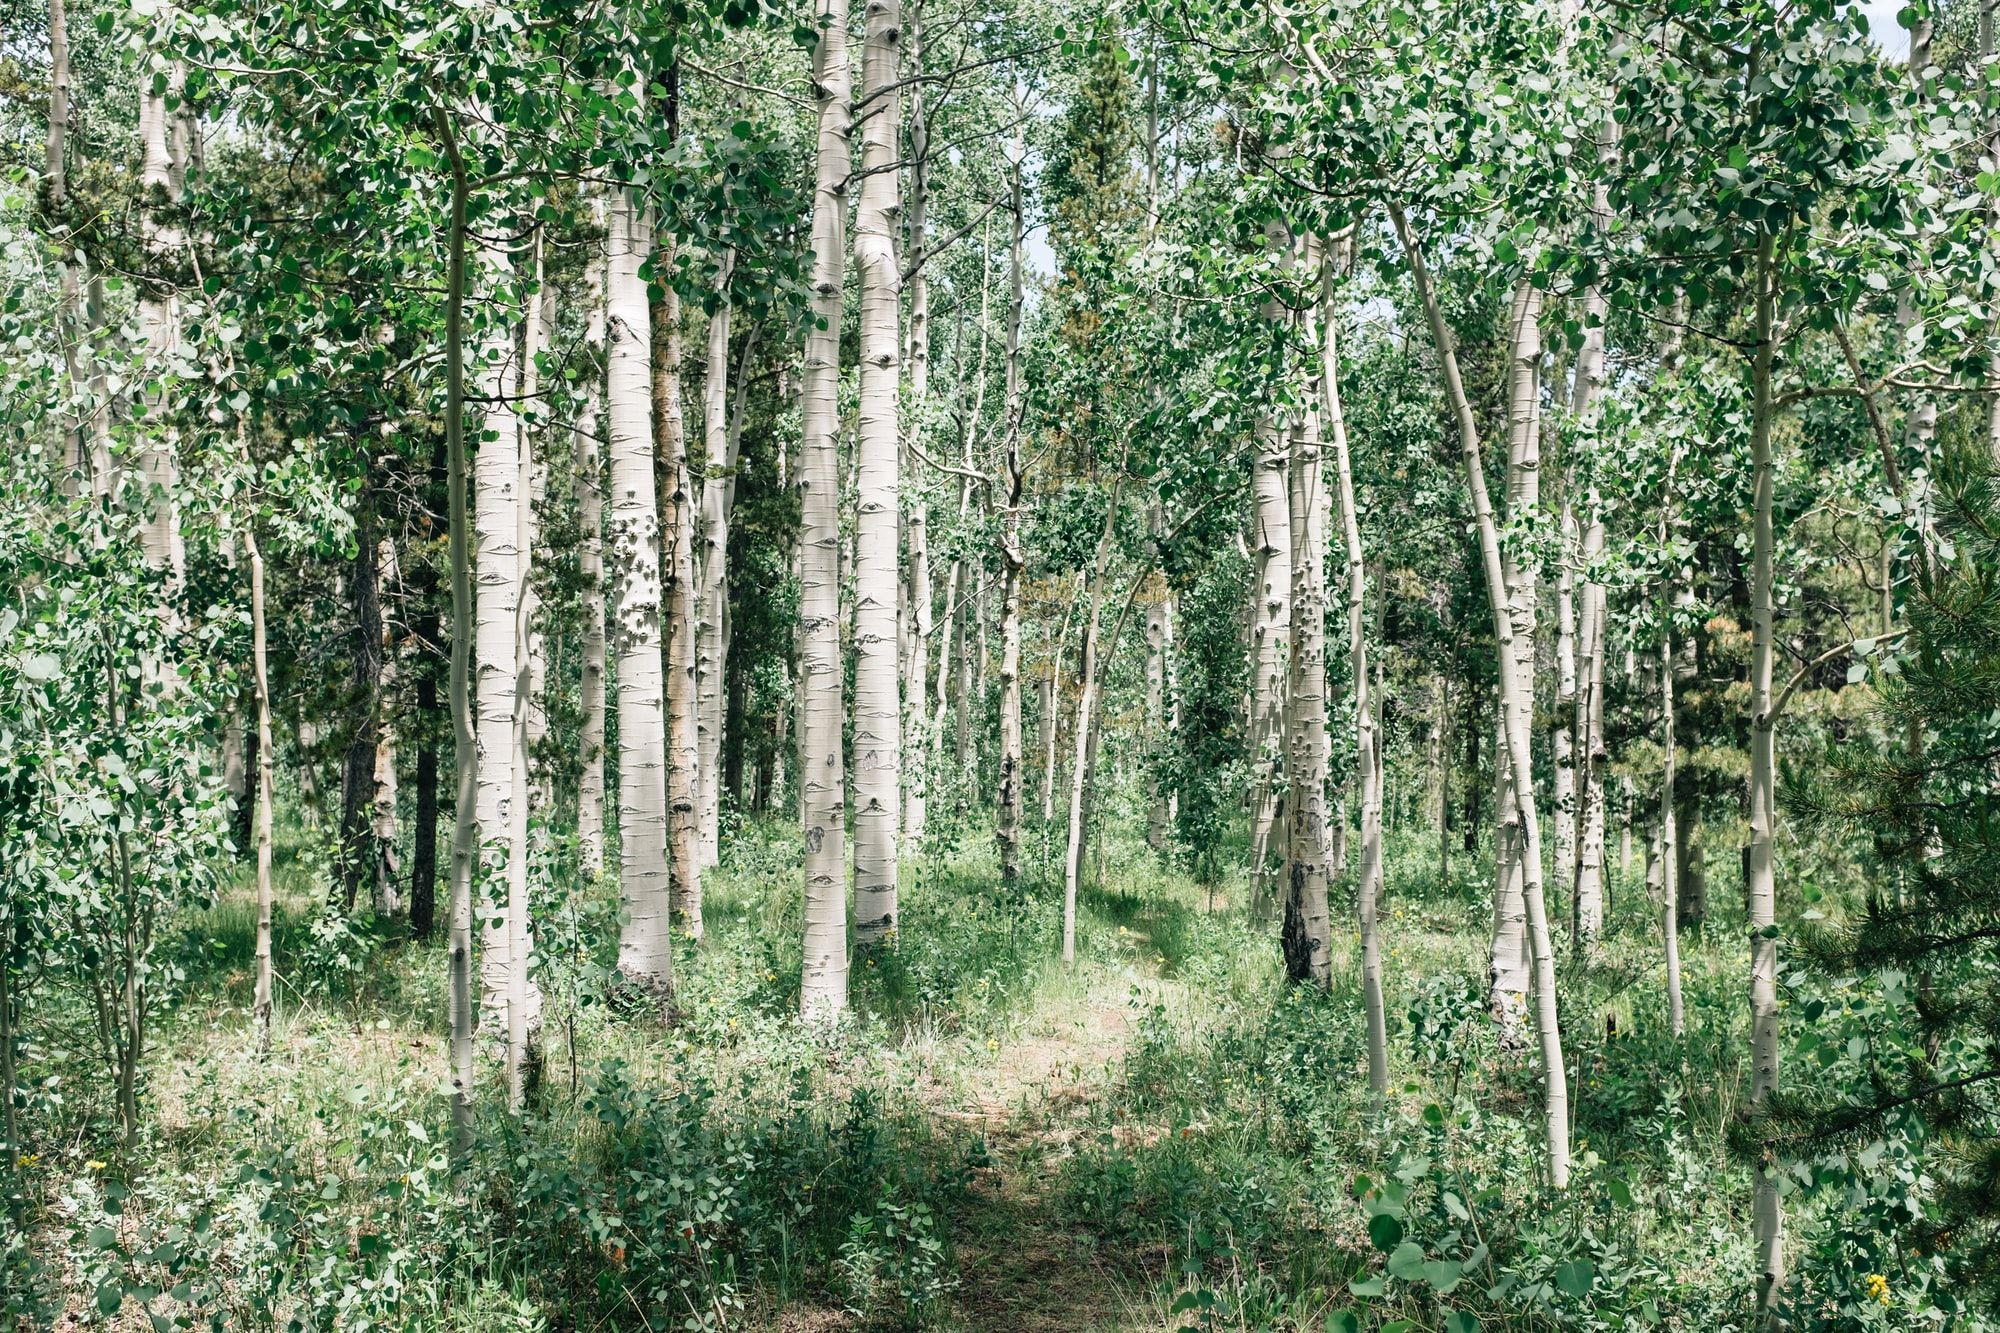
(1516, 711)
(823, 985)
(632, 557)
(1307, 931)
(712, 566)
(260, 1006)
(1086, 716)
(878, 709)
(1270, 632)
(465, 831)
(159, 318)
(500, 566)
(1562, 737)
(1367, 736)
(588, 443)
(1768, 1215)
(358, 853)
(388, 893)
(677, 513)
(1007, 819)
(916, 533)
(1588, 885)
(1670, 926)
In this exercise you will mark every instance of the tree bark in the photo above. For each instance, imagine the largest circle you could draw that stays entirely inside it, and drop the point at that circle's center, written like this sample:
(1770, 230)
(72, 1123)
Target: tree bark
(1515, 710)
(916, 531)
(1367, 748)
(260, 1006)
(878, 710)
(159, 331)
(359, 853)
(677, 514)
(1086, 718)
(632, 556)
(712, 565)
(1270, 633)
(500, 566)
(1768, 1219)
(465, 831)
(588, 443)
(823, 985)
(1307, 931)
(1007, 820)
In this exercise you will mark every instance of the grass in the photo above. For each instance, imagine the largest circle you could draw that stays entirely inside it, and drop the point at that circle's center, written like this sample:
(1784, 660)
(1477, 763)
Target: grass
(1164, 1136)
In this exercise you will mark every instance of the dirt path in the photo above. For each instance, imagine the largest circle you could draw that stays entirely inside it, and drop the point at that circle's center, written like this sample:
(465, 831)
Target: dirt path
(1020, 1267)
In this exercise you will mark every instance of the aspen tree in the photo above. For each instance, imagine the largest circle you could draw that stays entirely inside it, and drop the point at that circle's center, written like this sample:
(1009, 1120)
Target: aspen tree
(1508, 973)
(1086, 715)
(1367, 748)
(712, 565)
(589, 452)
(500, 565)
(677, 614)
(1761, 880)
(159, 332)
(878, 446)
(261, 1003)
(632, 552)
(823, 985)
(1515, 710)
(1270, 634)
(1007, 821)
(1307, 928)
(916, 522)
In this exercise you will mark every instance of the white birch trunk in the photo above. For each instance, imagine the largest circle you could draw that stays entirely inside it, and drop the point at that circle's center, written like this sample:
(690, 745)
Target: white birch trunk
(1270, 640)
(632, 554)
(159, 332)
(499, 563)
(878, 709)
(677, 516)
(261, 1004)
(1306, 934)
(590, 566)
(1007, 819)
(823, 984)
(916, 533)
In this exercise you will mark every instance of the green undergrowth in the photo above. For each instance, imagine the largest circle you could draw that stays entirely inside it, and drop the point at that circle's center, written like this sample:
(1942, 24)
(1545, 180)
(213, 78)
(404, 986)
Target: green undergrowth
(731, 1168)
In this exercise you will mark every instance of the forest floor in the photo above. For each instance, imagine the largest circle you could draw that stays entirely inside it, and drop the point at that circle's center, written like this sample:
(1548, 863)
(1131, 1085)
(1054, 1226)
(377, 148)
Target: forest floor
(1020, 1265)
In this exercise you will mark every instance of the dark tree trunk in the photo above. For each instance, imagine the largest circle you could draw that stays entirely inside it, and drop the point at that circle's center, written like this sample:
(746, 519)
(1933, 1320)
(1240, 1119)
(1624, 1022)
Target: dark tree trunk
(357, 770)
(432, 724)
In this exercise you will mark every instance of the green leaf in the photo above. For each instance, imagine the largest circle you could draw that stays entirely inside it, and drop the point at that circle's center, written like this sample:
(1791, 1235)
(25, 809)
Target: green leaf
(109, 1297)
(1443, 1274)
(41, 667)
(1407, 1262)
(1458, 1321)
(1385, 1231)
(1371, 1286)
(1342, 1321)
(1576, 1277)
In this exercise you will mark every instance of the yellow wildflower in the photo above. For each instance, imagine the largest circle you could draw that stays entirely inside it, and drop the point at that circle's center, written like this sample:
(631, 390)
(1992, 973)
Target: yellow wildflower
(1878, 1287)
(93, 1165)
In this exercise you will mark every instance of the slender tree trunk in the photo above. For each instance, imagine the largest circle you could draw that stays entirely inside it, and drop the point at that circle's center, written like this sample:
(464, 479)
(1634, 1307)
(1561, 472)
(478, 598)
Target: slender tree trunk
(1670, 925)
(358, 852)
(1086, 716)
(1768, 1214)
(1158, 822)
(588, 445)
(260, 1006)
(1509, 974)
(1562, 736)
(878, 710)
(1007, 820)
(465, 832)
(823, 987)
(916, 532)
(712, 565)
(1586, 388)
(1270, 634)
(1307, 932)
(1516, 712)
(159, 450)
(499, 569)
(677, 514)
(1367, 748)
(632, 557)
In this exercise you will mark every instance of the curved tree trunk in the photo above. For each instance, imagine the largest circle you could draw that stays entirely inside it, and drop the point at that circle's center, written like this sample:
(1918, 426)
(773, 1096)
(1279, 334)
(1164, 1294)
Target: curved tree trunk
(823, 986)
(1516, 713)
